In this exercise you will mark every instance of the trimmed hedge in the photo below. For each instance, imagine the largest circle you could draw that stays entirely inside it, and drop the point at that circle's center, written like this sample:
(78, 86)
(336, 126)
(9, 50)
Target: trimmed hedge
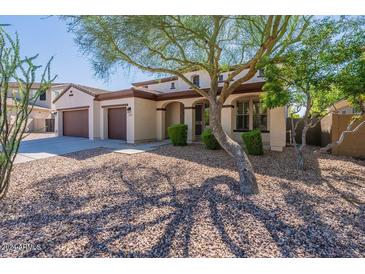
(178, 134)
(209, 140)
(253, 142)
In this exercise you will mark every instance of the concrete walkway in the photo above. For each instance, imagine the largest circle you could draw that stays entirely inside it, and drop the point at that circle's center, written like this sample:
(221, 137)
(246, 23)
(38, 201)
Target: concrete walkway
(48, 147)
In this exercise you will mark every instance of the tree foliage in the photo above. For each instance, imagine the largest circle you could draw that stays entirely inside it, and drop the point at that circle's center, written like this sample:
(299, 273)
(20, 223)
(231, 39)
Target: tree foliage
(15, 106)
(317, 72)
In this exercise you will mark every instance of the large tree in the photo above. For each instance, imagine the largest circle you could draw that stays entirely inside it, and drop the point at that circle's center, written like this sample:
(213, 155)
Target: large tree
(308, 75)
(351, 81)
(177, 44)
(15, 106)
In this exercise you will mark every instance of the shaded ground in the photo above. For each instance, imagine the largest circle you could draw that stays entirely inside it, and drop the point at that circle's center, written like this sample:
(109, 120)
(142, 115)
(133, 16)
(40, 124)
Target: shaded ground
(183, 202)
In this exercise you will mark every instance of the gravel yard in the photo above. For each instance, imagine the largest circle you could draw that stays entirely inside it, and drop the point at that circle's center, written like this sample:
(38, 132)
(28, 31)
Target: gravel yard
(183, 202)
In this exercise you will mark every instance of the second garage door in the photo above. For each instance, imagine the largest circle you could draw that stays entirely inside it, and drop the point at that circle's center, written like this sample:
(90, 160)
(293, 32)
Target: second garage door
(117, 123)
(76, 123)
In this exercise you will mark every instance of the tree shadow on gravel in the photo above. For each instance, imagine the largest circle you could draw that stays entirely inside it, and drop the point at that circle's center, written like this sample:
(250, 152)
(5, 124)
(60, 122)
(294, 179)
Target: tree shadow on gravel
(160, 216)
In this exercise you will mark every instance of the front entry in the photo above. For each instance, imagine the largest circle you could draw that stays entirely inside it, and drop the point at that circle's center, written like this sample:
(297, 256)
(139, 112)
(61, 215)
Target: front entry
(117, 123)
(201, 118)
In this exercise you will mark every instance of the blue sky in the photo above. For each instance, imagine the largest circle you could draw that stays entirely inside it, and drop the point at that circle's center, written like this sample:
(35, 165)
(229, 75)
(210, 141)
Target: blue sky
(48, 36)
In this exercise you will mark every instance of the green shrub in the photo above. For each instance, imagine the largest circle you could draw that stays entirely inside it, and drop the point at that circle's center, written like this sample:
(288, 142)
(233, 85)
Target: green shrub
(178, 134)
(209, 140)
(253, 142)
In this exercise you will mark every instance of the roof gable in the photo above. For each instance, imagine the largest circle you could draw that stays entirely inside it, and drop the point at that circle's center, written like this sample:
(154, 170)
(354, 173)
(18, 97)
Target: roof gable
(88, 90)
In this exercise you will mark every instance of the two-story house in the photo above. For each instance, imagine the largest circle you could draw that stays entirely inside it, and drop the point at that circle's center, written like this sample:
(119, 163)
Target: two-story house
(145, 111)
(41, 118)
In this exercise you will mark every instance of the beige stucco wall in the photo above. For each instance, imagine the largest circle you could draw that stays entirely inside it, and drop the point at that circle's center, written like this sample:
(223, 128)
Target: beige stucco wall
(145, 121)
(204, 79)
(36, 119)
(353, 144)
(277, 128)
(174, 114)
(78, 100)
(103, 117)
(275, 139)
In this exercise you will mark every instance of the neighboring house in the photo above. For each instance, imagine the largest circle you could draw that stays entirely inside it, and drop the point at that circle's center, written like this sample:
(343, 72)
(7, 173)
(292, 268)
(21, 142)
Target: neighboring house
(41, 118)
(147, 109)
(335, 123)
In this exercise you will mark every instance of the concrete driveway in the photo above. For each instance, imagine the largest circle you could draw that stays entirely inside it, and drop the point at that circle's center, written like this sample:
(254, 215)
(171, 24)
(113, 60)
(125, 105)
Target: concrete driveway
(34, 149)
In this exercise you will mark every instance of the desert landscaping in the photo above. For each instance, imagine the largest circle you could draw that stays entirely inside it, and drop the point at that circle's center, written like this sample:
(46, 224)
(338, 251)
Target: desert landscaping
(184, 202)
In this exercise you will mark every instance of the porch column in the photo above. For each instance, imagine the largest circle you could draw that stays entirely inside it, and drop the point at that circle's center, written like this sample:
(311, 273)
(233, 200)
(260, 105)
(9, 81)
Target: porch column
(227, 117)
(189, 121)
(277, 129)
(104, 123)
(59, 123)
(161, 120)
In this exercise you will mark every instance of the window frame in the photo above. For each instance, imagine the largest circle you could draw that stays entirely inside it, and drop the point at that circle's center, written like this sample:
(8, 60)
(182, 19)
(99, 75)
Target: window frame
(243, 114)
(172, 85)
(196, 76)
(41, 98)
(261, 113)
(251, 115)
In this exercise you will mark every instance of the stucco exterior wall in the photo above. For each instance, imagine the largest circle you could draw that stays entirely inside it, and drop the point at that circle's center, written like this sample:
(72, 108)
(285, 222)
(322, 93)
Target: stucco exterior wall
(144, 119)
(72, 99)
(103, 117)
(204, 81)
(173, 113)
(46, 103)
(353, 144)
(148, 119)
(96, 119)
(274, 139)
(277, 129)
(37, 120)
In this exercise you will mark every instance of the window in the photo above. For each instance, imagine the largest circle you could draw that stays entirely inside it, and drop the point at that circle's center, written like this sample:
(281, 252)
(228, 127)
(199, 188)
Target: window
(220, 78)
(242, 117)
(259, 115)
(195, 80)
(42, 97)
(172, 85)
(261, 73)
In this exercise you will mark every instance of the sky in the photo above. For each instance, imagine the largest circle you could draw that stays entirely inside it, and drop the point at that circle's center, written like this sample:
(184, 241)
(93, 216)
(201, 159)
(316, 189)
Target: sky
(48, 36)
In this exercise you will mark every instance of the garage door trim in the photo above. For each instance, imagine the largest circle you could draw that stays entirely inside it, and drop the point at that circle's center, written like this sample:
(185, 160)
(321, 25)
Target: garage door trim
(73, 108)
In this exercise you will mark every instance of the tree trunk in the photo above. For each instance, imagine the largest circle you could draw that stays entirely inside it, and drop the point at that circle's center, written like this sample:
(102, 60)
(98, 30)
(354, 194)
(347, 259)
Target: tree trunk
(248, 183)
(298, 150)
(300, 156)
(348, 130)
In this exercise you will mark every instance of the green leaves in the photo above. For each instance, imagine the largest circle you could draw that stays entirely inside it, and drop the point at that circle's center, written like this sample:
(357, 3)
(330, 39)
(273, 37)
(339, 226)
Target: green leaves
(320, 70)
(14, 116)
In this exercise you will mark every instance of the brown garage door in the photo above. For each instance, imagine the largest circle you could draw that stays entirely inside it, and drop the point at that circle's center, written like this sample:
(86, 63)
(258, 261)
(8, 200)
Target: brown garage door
(76, 123)
(117, 123)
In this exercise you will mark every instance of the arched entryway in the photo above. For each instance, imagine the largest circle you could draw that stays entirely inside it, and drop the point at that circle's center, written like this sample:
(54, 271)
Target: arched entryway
(174, 115)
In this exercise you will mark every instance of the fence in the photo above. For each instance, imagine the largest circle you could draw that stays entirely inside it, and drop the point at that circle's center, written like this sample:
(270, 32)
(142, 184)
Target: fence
(328, 131)
(353, 144)
(313, 134)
